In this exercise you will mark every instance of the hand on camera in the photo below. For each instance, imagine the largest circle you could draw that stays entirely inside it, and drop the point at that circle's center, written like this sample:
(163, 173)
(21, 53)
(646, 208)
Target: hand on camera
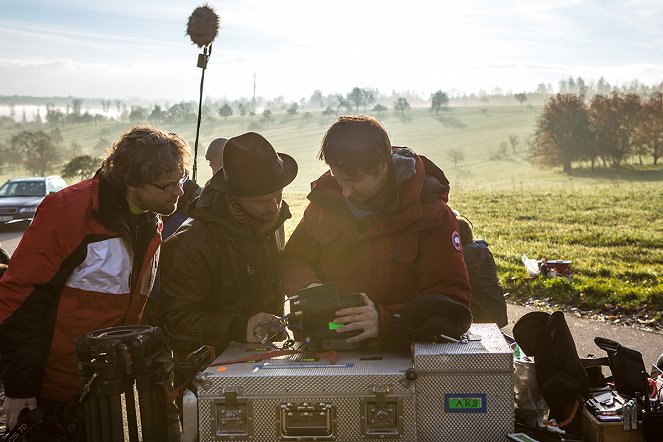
(256, 327)
(364, 318)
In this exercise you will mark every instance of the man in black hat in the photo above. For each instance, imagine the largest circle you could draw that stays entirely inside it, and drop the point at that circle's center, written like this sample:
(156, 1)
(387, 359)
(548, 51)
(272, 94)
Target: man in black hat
(219, 277)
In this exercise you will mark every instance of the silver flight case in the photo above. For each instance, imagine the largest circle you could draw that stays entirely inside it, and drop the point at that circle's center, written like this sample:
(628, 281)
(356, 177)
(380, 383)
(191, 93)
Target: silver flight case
(363, 396)
(465, 390)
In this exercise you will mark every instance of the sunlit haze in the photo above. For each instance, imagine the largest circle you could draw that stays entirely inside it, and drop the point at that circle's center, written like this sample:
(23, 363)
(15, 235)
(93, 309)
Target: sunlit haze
(127, 48)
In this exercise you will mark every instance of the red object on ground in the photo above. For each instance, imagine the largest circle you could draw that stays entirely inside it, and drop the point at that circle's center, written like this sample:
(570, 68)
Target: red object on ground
(561, 267)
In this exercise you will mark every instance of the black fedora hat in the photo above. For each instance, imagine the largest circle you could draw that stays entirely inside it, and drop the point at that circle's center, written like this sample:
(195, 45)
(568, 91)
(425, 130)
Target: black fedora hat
(251, 167)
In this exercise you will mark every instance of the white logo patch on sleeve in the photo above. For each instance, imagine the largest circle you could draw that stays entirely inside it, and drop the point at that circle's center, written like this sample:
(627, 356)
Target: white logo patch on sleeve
(455, 240)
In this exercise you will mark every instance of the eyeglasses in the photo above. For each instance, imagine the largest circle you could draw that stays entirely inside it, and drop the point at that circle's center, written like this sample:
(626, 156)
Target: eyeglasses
(179, 184)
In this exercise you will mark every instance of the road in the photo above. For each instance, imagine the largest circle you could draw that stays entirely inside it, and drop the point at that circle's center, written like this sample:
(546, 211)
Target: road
(10, 235)
(650, 344)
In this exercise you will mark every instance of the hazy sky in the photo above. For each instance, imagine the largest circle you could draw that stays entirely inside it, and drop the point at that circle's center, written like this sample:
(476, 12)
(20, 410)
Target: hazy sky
(138, 48)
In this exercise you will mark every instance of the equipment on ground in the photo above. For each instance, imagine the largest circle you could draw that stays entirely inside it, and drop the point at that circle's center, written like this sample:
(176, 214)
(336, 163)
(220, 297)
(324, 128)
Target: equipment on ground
(28, 422)
(111, 363)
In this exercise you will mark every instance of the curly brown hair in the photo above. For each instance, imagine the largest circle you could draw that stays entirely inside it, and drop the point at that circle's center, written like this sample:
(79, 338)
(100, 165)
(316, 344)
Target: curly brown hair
(356, 144)
(143, 154)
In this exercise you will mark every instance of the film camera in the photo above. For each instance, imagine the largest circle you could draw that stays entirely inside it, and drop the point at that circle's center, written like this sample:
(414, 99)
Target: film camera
(312, 311)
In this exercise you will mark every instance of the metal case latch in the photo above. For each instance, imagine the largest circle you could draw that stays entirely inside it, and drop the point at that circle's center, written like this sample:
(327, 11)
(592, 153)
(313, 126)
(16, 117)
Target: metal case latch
(381, 414)
(233, 417)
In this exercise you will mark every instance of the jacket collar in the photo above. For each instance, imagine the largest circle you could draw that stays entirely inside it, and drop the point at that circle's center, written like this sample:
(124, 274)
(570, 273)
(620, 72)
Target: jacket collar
(109, 206)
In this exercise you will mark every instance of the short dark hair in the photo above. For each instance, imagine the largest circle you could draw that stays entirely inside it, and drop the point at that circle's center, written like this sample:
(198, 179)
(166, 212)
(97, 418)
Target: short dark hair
(143, 154)
(356, 143)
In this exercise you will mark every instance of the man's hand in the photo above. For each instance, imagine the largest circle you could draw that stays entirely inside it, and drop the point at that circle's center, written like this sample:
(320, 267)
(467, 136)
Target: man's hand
(13, 407)
(364, 318)
(261, 330)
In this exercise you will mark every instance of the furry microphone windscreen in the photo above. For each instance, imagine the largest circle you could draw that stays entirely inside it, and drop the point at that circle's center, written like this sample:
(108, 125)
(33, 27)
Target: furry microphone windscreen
(203, 25)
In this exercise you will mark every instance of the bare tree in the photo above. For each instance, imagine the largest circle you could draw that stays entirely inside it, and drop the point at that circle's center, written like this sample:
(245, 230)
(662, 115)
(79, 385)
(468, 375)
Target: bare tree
(504, 149)
(341, 102)
(455, 156)
(401, 105)
(513, 141)
(521, 97)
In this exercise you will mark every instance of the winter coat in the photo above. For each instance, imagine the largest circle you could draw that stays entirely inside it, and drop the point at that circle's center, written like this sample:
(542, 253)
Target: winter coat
(216, 274)
(411, 251)
(488, 304)
(83, 264)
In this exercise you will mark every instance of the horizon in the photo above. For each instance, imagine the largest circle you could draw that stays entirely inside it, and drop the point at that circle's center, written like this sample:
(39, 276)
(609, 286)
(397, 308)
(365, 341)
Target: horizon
(20, 110)
(91, 49)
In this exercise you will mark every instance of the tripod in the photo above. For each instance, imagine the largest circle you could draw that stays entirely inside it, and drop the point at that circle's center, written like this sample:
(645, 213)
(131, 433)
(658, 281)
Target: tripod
(111, 363)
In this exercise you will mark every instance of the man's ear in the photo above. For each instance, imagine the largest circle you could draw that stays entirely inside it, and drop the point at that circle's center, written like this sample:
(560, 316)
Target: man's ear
(383, 167)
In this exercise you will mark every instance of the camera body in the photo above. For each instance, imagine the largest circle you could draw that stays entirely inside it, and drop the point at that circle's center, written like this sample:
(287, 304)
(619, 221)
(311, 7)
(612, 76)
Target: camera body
(312, 311)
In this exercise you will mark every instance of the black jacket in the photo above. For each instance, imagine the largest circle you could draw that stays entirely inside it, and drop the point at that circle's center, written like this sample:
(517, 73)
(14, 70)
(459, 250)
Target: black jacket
(215, 274)
(487, 304)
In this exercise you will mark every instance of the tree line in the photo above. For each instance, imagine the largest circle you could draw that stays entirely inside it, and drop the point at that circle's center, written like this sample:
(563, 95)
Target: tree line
(62, 111)
(573, 128)
(606, 129)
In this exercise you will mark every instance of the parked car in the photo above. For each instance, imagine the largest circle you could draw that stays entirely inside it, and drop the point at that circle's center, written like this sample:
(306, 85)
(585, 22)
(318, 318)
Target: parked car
(19, 197)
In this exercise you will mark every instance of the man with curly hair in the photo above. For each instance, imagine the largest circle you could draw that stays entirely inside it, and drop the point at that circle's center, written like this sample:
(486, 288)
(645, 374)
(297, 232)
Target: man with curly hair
(86, 262)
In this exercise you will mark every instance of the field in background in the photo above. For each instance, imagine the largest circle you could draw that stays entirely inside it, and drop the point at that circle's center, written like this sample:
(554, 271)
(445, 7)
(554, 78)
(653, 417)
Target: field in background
(475, 132)
(607, 221)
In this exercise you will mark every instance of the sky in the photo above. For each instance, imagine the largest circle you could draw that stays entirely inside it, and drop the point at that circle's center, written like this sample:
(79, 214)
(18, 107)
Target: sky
(139, 49)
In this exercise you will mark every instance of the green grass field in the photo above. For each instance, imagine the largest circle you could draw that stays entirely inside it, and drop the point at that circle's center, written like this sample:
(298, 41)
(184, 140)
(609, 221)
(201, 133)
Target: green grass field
(607, 221)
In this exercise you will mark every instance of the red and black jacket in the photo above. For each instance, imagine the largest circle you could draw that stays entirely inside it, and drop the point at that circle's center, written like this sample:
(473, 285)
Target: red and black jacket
(83, 264)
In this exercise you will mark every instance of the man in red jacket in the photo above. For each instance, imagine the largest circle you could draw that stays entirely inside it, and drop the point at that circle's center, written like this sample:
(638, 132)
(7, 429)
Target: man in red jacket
(86, 262)
(377, 224)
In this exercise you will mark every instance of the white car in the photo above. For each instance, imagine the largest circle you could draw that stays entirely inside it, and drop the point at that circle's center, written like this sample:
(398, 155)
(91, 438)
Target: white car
(19, 197)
